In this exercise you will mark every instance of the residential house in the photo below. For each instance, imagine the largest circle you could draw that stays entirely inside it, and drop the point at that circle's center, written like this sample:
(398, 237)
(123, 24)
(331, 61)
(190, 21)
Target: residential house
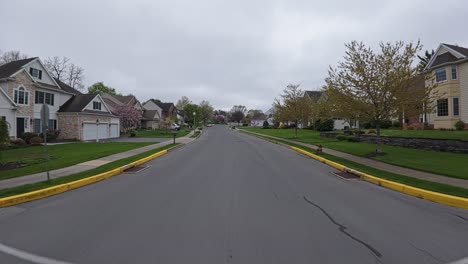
(180, 116)
(25, 85)
(151, 119)
(258, 120)
(166, 110)
(449, 68)
(338, 123)
(113, 101)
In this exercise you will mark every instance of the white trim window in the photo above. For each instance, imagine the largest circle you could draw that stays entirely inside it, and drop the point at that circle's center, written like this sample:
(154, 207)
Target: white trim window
(453, 69)
(441, 74)
(97, 106)
(456, 106)
(44, 98)
(36, 73)
(21, 96)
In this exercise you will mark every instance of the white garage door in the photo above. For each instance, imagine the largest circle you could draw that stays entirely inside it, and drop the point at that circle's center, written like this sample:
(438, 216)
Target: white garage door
(114, 129)
(91, 131)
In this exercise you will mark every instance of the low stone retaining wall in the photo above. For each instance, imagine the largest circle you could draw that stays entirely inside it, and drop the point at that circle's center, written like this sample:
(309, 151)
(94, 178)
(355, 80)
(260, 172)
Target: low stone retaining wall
(448, 145)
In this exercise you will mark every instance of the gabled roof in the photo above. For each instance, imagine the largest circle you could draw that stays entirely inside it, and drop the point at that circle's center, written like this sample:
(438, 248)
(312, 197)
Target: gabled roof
(447, 54)
(149, 114)
(259, 116)
(66, 87)
(8, 98)
(126, 99)
(77, 103)
(462, 50)
(164, 106)
(181, 112)
(8, 69)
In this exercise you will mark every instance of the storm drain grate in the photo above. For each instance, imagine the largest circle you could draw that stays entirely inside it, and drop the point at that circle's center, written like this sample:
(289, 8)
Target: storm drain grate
(135, 169)
(346, 175)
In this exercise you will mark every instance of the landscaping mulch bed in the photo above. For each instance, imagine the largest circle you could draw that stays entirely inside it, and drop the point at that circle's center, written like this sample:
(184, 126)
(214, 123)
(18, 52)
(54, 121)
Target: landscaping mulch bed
(10, 165)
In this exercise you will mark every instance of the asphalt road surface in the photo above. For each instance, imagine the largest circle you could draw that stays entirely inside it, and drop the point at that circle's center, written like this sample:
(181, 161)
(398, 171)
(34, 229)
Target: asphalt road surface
(232, 198)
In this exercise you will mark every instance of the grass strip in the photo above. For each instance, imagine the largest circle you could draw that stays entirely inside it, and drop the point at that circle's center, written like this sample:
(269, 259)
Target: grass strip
(418, 183)
(81, 175)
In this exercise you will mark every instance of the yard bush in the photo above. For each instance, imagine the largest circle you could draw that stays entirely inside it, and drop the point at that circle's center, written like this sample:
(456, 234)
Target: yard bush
(266, 124)
(396, 124)
(371, 131)
(36, 140)
(245, 124)
(132, 133)
(352, 139)
(3, 133)
(460, 125)
(385, 124)
(18, 142)
(324, 125)
(341, 137)
(51, 134)
(26, 136)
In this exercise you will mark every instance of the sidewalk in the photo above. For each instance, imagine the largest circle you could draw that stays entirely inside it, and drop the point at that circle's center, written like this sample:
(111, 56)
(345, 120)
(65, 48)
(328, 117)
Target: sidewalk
(381, 165)
(88, 165)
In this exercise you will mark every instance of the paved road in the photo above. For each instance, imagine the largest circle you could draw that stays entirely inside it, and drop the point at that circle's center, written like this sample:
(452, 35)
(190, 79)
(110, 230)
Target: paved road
(233, 198)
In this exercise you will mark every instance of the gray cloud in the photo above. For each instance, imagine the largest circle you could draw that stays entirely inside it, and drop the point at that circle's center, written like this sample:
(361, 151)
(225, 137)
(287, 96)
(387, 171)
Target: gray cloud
(228, 52)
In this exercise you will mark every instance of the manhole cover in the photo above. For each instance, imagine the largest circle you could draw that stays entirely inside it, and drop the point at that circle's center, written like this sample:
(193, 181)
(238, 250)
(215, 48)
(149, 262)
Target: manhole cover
(135, 169)
(345, 175)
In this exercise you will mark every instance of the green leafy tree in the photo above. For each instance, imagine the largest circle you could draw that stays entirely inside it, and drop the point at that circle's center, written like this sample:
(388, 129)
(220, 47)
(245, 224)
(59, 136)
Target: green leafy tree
(206, 112)
(237, 113)
(182, 102)
(99, 87)
(189, 118)
(372, 85)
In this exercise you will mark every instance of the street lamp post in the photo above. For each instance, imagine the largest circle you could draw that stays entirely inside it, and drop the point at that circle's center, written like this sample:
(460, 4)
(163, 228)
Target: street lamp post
(194, 115)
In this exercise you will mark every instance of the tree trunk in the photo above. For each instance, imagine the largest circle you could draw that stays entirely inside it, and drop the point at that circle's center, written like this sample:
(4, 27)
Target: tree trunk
(296, 129)
(377, 127)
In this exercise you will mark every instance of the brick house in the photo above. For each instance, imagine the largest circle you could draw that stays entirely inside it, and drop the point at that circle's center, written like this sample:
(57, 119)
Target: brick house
(25, 85)
(449, 68)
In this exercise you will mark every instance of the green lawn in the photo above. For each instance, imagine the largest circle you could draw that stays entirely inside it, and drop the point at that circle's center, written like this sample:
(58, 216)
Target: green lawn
(81, 175)
(463, 134)
(161, 133)
(443, 163)
(60, 156)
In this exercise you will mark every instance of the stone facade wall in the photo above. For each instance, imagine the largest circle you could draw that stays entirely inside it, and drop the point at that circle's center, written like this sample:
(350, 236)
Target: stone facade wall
(448, 145)
(21, 79)
(70, 126)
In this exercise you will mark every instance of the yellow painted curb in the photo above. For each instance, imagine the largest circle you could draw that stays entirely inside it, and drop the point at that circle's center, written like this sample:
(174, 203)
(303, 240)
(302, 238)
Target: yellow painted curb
(39, 194)
(441, 198)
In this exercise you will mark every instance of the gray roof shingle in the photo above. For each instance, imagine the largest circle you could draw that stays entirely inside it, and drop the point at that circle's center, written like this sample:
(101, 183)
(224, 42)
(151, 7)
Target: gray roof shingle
(8, 69)
(77, 103)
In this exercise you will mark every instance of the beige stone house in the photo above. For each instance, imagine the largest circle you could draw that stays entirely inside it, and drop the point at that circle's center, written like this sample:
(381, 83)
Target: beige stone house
(449, 68)
(25, 86)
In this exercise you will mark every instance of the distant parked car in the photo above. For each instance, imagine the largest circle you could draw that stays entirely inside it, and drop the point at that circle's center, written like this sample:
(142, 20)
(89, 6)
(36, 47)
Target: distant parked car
(175, 126)
(209, 125)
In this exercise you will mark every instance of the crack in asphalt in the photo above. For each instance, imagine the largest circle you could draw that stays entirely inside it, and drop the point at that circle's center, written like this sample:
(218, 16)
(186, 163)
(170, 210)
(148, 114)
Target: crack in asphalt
(426, 252)
(342, 229)
(461, 217)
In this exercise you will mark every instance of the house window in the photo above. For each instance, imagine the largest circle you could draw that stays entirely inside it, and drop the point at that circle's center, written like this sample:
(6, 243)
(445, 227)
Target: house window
(37, 126)
(441, 74)
(42, 97)
(456, 107)
(454, 72)
(52, 124)
(21, 96)
(96, 105)
(442, 107)
(36, 73)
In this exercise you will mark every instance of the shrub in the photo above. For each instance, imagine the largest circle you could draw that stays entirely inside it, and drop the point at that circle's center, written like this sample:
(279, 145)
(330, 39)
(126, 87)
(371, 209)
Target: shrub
(367, 125)
(51, 134)
(396, 124)
(36, 141)
(245, 124)
(266, 124)
(341, 137)
(371, 131)
(324, 125)
(18, 142)
(132, 133)
(410, 128)
(352, 139)
(460, 125)
(385, 124)
(26, 136)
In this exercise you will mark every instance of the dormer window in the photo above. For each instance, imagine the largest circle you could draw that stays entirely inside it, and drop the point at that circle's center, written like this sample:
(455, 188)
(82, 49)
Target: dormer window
(441, 74)
(36, 73)
(21, 96)
(97, 106)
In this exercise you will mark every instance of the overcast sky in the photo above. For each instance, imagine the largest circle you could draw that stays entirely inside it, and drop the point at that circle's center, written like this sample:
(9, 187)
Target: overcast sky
(227, 52)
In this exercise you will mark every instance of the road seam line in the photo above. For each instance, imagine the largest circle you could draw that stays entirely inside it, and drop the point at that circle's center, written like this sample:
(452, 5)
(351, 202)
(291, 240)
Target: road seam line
(28, 256)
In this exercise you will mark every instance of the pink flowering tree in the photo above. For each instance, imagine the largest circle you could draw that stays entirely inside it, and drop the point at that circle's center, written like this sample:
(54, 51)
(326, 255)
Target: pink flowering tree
(130, 118)
(221, 118)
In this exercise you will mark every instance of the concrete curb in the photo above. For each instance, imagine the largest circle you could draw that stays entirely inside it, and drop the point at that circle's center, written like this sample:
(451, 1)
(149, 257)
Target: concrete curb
(441, 198)
(39, 194)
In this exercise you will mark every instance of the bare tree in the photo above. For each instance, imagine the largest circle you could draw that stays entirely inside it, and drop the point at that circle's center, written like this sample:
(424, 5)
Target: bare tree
(12, 55)
(75, 76)
(57, 66)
